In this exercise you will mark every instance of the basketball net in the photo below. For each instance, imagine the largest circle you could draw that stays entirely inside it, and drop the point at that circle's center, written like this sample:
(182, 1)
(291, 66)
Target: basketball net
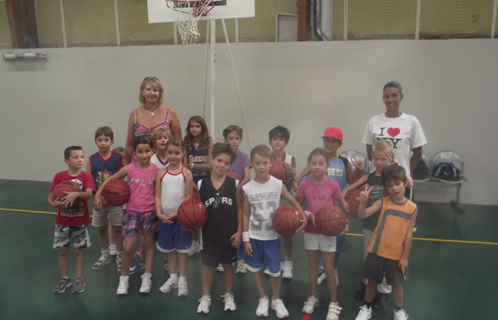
(187, 14)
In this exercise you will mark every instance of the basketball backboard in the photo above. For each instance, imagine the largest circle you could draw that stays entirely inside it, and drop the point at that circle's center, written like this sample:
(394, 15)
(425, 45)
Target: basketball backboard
(159, 12)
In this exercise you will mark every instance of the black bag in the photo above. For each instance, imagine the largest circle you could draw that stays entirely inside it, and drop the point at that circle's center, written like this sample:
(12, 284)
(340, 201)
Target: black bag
(446, 171)
(421, 171)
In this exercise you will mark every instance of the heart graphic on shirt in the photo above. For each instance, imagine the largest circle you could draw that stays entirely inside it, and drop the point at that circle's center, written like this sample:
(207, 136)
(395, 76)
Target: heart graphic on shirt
(393, 132)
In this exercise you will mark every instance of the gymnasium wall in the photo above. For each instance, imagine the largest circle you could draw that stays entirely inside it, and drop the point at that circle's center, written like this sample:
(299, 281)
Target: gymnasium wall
(449, 85)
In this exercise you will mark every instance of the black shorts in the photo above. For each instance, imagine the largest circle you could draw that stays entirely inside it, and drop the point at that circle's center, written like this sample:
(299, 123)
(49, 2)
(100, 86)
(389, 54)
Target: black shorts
(213, 255)
(375, 267)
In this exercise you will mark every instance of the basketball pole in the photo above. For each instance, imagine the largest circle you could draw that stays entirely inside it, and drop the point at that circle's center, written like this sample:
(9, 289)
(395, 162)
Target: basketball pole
(213, 68)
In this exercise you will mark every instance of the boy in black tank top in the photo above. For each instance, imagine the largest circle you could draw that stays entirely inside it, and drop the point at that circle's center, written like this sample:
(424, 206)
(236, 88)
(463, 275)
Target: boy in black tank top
(222, 232)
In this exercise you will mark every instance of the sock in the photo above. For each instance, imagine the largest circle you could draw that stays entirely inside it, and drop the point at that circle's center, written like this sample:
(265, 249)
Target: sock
(174, 276)
(182, 279)
(105, 252)
(368, 304)
(398, 308)
(125, 277)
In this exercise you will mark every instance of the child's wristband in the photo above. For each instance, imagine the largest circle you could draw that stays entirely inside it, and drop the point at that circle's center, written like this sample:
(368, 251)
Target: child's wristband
(245, 236)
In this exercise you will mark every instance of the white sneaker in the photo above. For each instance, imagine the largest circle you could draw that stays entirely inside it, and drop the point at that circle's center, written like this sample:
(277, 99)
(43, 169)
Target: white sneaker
(113, 250)
(229, 301)
(334, 311)
(103, 260)
(204, 303)
(119, 262)
(365, 313)
(336, 277)
(123, 286)
(287, 267)
(267, 271)
(278, 306)
(182, 289)
(241, 268)
(400, 315)
(321, 276)
(310, 305)
(168, 285)
(146, 283)
(219, 268)
(262, 310)
(197, 247)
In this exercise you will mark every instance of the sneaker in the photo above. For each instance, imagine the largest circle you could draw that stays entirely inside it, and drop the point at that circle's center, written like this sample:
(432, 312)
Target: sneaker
(310, 305)
(321, 276)
(146, 283)
(287, 267)
(219, 268)
(197, 246)
(103, 260)
(400, 315)
(262, 310)
(118, 262)
(334, 311)
(241, 268)
(63, 284)
(136, 266)
(336, 277)
(182, 289)
(365, 313)
(278, 306)
(113, 251)
(79, 285)
(381, 301)
(124, 284)
(267, 271)
(166, 264)
(229, 301)
(168, 285)
(360, 293)
(204, 303)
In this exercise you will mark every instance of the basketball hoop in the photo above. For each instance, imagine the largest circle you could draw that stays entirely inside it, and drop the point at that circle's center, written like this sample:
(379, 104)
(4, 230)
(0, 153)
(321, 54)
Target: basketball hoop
(187, 14)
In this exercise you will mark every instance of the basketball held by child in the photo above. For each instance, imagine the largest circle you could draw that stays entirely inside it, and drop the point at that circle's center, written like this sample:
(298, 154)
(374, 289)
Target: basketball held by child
(192, 214)
(286, 220)
(67, 186)
(234, 175)
(353, 200)
(330, 221)
(116, 193)
(281, 170)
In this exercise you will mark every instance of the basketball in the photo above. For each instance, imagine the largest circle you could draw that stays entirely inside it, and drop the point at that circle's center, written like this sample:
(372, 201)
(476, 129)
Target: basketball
(192, 214)
(116, 192)
(352, 198)
(234, 175)
(68, 186)
(286, 220)
(330, 221)
(281, 170)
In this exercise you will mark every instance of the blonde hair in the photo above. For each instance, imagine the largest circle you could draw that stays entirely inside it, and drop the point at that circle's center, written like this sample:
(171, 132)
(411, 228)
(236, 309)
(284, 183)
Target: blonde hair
(161, 133)
(382, 146)
(155, 84)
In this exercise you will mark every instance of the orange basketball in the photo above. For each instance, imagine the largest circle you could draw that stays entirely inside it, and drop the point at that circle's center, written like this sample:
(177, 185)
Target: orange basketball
(68, 186)
(192, 214)
(330, 221)
(116, 192)
(234, 175)
(352, 198)
(286, 220)
(281, 170)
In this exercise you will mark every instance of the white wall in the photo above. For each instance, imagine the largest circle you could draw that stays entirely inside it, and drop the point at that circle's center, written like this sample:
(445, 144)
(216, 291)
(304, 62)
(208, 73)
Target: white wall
(449, 85)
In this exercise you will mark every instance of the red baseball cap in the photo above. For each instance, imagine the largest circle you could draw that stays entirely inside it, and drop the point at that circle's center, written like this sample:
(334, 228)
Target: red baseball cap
(333, 132)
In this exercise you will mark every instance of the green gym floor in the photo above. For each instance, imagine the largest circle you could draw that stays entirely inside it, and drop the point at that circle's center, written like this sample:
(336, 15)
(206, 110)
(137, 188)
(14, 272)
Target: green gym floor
(452, 271)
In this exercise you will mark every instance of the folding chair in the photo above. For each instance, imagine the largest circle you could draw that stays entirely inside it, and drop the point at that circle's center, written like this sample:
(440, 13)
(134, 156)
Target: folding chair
(456, 181)
(423, 171)
(359, 156)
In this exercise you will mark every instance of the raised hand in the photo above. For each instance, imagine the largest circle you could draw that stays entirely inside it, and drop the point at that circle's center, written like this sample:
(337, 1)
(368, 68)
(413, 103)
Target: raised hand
(392, 160)
(358, 164)
(364, 195)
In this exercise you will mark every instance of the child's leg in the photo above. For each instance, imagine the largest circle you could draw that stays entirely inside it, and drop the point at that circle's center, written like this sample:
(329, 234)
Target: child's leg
(103, 239)
(207, 277)
(148, 242)
(328, 261)
(183, 263)
(276, 282)
(129, 247)
(370, 291)
(260, 284)
(142, 249)
(111, 233)
(80, 262)
(398, 296)
(314, 265)
(172, 258)
(64, 262)
(117, 237)
(228, 276)
(288, 247)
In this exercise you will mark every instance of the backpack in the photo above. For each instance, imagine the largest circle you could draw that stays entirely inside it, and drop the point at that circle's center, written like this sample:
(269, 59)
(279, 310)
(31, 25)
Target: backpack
(446, 171)
(421, 171)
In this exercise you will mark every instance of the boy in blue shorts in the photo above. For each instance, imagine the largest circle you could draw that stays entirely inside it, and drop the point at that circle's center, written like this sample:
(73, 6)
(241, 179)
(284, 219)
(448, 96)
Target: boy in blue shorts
(102, 165)
(391, 242)
(72, 218)
(261, 199)
(222, 231)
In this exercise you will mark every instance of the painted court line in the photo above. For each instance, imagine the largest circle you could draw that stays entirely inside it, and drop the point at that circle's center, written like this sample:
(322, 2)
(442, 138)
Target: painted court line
(349, 234)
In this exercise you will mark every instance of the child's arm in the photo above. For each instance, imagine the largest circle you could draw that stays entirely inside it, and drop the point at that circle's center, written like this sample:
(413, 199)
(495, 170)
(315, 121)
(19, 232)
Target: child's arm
(350, 187)
(157, 196)
(306, 171)
(56, 203)
(245, 225)
(189, 184)
(364, 212)
(352, 177)
(97, 202)
(407, 244)
(236, 237)
(296, 205)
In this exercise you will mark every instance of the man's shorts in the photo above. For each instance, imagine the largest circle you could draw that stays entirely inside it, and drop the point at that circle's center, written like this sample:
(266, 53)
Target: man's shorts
(114, 213)
(262, 250)
(173, 237)
(313, 241)
(375, 267)
(76, 235)
(213, 255)
(134, 223)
